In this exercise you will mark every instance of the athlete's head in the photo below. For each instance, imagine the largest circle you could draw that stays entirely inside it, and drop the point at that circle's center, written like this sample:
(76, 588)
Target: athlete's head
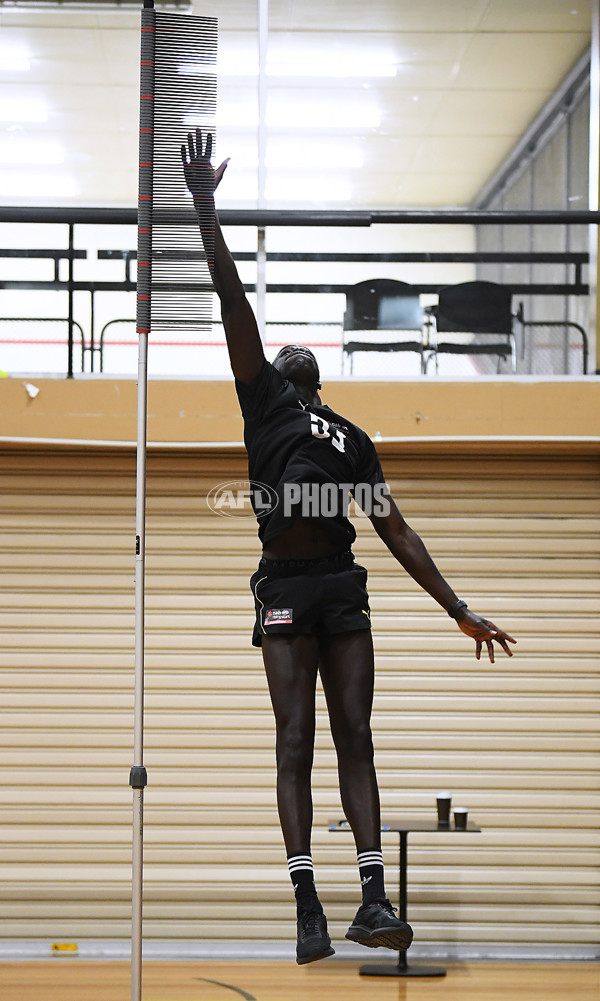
(298, 364)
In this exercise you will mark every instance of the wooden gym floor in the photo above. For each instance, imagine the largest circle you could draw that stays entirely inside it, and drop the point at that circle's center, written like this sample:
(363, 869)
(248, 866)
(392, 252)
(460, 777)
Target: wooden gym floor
(71, 979)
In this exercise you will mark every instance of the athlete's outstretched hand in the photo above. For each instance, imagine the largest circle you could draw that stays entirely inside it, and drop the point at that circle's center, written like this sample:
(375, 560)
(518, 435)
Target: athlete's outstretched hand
(201, 177)
(483, 631)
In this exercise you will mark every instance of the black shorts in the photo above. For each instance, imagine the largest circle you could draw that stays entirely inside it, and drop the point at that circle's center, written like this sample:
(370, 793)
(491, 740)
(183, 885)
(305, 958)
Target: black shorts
(312, 597)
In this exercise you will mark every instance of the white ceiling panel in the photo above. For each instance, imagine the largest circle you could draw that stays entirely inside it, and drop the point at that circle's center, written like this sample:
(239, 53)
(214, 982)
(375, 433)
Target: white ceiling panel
(382, 15)
(518, 61)
(441, 153)
(484, 112)
(468, 77)
(547, 15)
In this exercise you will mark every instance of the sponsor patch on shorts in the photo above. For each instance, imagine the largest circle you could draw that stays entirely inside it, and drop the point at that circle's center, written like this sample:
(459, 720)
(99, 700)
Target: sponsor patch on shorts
(279, 616)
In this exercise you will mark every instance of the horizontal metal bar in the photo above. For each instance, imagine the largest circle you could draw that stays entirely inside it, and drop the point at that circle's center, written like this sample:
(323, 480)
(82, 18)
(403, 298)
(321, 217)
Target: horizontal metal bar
(126, 286)
(53, 255)
(73, 215)
(64, 286)
(277, 217)
(520, 289)
(475, 257)
(295, 217)
(477, 217)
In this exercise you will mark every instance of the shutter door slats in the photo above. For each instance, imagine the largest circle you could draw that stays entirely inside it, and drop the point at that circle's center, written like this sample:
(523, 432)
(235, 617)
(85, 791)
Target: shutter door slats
(517, 742)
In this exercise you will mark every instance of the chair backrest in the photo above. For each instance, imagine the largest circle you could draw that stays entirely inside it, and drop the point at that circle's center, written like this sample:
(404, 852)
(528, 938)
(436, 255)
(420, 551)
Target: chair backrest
(476, 307)
(383, 304)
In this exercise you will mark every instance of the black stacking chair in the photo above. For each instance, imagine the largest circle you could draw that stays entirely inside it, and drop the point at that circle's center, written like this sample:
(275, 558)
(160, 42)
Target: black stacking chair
(479, 317)
(378, 305)
(545, 327)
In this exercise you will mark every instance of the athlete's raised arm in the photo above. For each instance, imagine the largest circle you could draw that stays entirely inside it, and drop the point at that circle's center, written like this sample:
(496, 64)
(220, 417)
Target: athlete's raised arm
(243, 339)
(410, 550)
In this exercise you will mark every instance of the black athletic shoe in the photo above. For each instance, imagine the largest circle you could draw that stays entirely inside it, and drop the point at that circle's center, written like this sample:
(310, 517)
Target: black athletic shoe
(313, 941)
(376, 924)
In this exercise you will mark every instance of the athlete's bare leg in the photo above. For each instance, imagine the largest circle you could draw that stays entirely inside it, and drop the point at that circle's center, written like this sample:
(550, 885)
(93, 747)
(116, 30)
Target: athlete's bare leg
(346, 665)
(347, 673)
(291, 665)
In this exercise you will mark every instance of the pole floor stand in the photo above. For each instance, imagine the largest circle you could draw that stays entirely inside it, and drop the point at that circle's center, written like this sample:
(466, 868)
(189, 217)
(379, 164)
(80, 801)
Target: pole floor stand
(401, 969)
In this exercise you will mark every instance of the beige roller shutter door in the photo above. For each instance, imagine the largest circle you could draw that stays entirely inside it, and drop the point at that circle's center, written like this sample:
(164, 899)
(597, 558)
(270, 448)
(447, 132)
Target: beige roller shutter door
(516, 742)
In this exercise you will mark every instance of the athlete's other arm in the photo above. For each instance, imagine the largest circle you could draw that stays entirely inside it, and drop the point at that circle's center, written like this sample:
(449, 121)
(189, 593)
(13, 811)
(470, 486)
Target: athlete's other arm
(409, 549)
(243, 339)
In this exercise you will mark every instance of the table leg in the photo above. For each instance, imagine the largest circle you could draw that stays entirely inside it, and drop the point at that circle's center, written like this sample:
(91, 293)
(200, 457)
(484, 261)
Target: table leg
(402, 968)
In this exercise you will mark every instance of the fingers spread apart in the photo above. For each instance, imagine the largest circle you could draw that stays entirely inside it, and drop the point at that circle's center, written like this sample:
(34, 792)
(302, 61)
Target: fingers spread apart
(194, 148)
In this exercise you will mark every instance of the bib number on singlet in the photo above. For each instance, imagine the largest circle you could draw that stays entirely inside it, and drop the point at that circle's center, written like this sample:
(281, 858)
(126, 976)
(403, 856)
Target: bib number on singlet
(320, 429)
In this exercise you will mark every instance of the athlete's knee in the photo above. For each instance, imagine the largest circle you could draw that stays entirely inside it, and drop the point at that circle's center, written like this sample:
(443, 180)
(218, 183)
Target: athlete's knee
(295, 749)
(355, 743)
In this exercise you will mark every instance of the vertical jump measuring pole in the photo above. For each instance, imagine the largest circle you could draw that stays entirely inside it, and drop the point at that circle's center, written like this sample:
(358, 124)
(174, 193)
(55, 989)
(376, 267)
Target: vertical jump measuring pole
(138, 776)
(178, 89)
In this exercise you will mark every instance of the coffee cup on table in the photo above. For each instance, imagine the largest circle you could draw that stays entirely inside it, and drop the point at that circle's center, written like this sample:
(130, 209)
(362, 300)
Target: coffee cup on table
(443, 801)
(460, 818)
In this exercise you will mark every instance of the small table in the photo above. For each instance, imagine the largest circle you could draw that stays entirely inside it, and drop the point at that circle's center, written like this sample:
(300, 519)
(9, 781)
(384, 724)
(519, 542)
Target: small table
(403, 826)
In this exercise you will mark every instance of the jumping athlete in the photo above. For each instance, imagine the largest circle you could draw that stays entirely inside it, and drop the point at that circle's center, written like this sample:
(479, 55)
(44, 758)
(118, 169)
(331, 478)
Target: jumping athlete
(312, 607)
